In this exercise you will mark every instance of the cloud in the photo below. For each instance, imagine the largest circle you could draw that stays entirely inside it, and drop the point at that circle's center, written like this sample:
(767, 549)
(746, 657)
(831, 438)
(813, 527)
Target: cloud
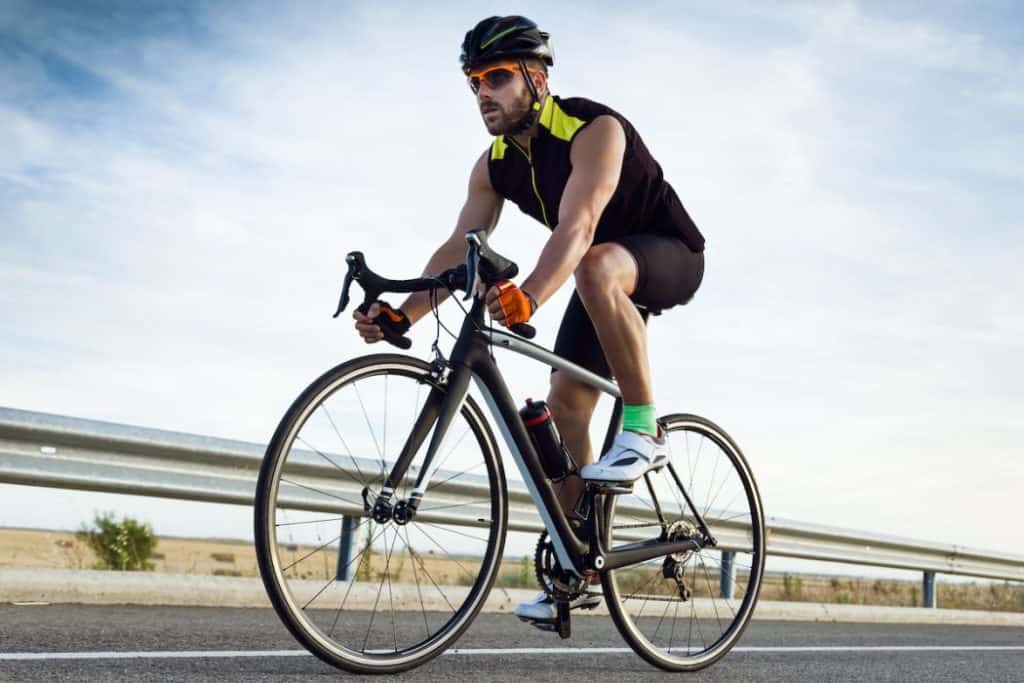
(178, 189)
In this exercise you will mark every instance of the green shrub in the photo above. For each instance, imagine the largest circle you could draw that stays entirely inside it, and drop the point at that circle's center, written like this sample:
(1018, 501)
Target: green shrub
(792, 587)
(124, 545)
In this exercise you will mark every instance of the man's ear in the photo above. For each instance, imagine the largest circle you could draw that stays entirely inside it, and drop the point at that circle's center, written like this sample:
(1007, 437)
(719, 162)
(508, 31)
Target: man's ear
(540, 80)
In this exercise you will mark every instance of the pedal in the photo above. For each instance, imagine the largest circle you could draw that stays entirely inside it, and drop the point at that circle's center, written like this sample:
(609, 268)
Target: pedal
(611, 488)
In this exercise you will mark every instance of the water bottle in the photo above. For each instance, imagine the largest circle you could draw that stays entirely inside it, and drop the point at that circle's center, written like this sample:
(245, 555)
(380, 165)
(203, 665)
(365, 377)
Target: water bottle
(554, 456)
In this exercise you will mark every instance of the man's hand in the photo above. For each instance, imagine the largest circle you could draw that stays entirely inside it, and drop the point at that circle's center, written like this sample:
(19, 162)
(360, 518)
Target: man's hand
(509, 305)
(368, 325)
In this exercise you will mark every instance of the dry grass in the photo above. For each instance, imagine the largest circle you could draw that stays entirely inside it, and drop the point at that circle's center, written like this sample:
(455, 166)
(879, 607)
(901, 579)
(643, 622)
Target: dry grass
(30, 548)
(990, 596)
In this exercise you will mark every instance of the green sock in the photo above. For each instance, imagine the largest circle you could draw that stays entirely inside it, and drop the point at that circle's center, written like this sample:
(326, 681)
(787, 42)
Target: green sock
(641, 419)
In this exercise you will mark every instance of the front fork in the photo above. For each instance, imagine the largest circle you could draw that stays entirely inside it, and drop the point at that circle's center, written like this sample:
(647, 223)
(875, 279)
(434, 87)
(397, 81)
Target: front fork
(440, 408)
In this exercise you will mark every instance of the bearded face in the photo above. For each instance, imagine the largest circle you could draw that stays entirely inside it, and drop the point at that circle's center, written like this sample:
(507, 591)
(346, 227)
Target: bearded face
(502, 109)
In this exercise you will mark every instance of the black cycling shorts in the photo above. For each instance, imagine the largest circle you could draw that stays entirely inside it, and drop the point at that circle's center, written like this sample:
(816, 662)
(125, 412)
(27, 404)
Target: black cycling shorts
(668, 274)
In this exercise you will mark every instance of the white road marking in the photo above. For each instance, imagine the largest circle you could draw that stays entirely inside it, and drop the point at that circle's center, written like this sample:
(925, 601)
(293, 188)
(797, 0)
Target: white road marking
(230, 654)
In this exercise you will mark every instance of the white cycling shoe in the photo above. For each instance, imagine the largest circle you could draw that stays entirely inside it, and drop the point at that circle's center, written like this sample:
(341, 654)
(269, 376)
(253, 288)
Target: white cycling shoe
(542, 608)
(631, 456)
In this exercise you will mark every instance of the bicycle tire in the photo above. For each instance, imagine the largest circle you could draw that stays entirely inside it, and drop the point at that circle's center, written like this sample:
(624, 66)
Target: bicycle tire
(268, 552)
(628, 621)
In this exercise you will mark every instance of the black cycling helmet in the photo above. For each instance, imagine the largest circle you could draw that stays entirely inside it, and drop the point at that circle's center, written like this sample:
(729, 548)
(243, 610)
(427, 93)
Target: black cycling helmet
(497, 38)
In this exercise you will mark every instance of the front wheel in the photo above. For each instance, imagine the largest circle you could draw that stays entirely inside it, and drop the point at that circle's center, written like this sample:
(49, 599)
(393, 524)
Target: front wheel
(377, 595)
(685, 611)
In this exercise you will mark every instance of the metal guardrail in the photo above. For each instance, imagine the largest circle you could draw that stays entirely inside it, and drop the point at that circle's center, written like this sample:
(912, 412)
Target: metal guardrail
(40, 449)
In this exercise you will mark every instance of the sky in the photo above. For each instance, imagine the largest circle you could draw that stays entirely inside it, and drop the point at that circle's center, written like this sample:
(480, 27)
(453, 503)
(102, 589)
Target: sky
(180, 182)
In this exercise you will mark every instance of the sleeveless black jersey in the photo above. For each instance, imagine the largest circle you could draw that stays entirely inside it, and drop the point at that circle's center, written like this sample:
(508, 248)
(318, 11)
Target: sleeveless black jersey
(534, 177)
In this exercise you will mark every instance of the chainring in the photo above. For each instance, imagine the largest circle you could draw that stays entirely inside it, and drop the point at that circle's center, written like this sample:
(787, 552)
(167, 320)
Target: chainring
(557, 583)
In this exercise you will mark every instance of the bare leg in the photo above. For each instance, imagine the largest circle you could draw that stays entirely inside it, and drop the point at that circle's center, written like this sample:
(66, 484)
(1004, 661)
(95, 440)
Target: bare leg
(572, 405)
(604, 279)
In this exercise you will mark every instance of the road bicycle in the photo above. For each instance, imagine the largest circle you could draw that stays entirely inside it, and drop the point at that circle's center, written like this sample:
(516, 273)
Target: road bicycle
(378, 547)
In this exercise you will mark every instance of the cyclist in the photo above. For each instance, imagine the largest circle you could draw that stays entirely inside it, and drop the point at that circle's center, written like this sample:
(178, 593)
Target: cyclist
(617, 226)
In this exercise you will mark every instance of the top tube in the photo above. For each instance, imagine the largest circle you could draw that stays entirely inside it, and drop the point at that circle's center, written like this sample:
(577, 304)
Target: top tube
(506, 340)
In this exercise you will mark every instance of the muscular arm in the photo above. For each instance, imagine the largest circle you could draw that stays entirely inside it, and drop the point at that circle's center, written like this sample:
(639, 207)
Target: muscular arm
(596, 155)
(481, 211)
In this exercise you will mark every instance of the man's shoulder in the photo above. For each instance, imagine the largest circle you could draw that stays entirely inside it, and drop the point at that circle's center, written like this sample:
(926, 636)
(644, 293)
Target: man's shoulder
(583, 108)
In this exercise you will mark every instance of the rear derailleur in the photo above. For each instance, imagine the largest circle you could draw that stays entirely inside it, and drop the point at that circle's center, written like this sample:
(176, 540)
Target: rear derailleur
(674, 566)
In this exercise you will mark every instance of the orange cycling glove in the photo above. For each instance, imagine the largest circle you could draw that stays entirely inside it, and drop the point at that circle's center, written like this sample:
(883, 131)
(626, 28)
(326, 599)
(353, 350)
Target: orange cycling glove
(516, 305)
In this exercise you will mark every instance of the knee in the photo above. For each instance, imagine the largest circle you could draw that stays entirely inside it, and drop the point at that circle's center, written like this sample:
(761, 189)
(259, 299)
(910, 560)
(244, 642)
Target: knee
(597, 272)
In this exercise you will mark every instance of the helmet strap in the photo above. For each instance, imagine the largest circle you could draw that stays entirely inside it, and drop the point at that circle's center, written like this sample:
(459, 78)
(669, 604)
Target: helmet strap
(533, 114)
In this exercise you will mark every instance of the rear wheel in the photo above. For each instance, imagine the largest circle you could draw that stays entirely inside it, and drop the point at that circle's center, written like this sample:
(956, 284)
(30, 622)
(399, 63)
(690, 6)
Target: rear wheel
(366, 595)
(685, 611)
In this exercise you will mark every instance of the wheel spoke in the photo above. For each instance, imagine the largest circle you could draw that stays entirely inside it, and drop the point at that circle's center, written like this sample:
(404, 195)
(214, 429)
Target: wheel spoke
(373, 434)
(373, 612)
(451, 531)
(711, 503)
(391, 595)
(454, 505)
(451, 450)
(310, 521)
(329, 459)
(323, 493)
(423, 568)
(454, 476)
(416, 578)
(668, 604)
(442, 549)
(362, 477)
(711, 592)
(312, 552)
(352, 581)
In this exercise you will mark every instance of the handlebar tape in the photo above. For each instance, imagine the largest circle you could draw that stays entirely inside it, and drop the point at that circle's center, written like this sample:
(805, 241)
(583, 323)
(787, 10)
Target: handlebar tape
(524, 330)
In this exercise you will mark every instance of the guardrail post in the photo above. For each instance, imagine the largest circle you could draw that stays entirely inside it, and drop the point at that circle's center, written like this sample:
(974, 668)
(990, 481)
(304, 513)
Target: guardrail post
(728, 574)
(345, 549)
(928, 590)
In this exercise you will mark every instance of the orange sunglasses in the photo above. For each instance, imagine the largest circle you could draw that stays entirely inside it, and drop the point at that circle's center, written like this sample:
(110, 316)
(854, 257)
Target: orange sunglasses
(495, 76)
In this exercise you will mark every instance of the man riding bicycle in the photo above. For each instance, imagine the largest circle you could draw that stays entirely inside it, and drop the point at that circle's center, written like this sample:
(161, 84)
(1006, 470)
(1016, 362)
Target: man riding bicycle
(617, 226)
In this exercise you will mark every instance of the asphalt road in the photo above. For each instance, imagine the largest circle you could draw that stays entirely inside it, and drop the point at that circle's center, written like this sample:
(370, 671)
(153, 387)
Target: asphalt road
(493, 649)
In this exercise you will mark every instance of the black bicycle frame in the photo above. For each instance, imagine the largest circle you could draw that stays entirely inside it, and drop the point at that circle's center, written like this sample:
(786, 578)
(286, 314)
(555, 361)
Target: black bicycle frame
(471, 359)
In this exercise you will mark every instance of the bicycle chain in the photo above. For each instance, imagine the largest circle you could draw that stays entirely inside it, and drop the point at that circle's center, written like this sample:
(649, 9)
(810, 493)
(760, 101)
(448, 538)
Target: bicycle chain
(635, 526)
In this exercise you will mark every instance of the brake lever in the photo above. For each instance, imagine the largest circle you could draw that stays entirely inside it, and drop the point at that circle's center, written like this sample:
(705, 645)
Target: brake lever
(472, 265)
(354, 260)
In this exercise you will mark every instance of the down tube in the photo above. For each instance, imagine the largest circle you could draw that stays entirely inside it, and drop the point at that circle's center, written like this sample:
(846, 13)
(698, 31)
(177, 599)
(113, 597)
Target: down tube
(568, 547)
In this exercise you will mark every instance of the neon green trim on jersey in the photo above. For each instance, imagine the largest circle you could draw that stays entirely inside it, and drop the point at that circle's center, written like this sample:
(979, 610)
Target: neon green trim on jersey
(498, 148)
(554, 118)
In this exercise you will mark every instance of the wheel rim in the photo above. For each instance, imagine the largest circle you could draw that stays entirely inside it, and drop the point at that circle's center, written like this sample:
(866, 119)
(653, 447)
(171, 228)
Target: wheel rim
(666, 629)
(412, 587)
